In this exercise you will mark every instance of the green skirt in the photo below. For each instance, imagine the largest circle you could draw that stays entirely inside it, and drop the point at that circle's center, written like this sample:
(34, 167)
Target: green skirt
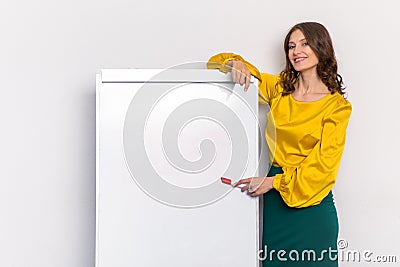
(298, 236)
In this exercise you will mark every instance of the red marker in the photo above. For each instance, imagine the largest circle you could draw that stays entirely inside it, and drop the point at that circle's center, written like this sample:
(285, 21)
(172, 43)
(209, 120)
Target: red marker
(226, 180)
(229, 181)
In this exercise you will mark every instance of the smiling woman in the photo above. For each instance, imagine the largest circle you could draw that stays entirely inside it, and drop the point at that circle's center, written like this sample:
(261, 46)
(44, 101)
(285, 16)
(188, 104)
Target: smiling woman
(310, 115)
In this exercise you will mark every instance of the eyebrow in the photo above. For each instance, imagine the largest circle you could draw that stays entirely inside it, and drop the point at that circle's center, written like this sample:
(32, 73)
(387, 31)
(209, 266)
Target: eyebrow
(304, 39)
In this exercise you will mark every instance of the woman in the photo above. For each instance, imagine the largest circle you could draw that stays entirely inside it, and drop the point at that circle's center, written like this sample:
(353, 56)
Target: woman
(310, 115)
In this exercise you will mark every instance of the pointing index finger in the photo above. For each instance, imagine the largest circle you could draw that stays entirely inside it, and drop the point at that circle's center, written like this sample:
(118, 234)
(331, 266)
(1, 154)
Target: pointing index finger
(242, 181)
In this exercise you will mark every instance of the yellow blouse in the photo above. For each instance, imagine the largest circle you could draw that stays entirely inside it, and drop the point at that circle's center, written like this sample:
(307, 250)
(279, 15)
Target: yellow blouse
(309, 141)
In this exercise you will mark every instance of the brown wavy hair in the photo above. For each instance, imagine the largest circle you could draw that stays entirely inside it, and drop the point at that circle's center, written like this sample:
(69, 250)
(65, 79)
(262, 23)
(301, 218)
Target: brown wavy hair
(320, 42)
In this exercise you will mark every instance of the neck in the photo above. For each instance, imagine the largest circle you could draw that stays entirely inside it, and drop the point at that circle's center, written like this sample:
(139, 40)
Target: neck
(310, 83)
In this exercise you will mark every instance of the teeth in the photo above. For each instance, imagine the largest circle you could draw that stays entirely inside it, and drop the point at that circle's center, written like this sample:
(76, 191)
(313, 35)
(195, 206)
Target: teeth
(298, 59)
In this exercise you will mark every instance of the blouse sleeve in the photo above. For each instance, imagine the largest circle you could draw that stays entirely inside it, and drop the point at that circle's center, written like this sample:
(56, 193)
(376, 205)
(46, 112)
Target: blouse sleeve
(309, 183)
(267, 83)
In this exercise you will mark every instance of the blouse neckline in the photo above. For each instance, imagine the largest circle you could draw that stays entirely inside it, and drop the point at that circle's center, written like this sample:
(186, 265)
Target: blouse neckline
(318, 100)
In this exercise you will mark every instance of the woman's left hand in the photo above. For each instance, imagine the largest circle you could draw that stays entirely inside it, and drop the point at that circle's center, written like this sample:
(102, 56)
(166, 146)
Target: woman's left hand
(256, 186)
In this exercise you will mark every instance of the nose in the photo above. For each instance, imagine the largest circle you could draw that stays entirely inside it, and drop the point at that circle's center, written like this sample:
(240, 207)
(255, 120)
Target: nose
(296, 50)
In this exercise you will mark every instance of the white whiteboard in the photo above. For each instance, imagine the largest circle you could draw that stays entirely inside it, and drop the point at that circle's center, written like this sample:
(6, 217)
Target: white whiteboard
(164, 139)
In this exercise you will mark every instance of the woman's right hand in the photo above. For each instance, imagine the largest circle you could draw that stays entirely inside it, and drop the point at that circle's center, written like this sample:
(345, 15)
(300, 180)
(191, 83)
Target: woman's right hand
(240, 73)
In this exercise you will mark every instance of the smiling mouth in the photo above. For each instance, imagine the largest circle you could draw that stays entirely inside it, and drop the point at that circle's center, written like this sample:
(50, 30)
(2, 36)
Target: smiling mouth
(299, 59)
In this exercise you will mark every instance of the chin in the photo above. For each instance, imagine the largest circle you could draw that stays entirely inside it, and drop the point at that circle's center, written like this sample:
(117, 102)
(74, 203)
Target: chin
(305, 68)
(298, 69)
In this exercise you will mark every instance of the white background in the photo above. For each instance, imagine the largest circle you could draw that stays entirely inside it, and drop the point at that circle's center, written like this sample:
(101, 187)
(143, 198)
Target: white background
(50, 52)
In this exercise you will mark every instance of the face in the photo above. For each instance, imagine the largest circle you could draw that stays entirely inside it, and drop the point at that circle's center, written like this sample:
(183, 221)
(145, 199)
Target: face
(300, 53)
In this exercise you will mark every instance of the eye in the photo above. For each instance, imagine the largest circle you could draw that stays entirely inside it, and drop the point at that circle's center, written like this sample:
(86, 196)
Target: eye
(305, 44)
(291, 47)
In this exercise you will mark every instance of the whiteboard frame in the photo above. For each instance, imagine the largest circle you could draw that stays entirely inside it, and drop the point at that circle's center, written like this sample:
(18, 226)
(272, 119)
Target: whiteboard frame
(171, 76)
